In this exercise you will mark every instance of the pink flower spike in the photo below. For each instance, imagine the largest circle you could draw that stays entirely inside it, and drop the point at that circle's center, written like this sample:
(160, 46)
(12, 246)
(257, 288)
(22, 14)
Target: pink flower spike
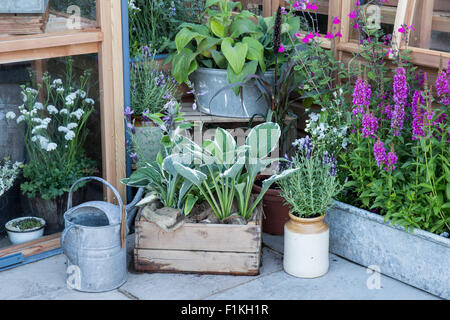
(336, 20)
(311, 6)
(317, 34)
(352, 15)
(305, 40)
(338, 34)
(358, 3)
(310, 36)
(355, 26)
(401, 30)
(281, 49)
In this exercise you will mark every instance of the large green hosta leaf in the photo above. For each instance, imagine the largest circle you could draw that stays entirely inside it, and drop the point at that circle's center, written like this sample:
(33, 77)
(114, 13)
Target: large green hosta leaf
(255, 51)
(235, 55)
(263, 139)
(185, 36)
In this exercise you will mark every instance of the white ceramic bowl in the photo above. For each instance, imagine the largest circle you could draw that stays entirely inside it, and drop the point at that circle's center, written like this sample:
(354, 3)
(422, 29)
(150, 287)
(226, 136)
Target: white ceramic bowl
(17, 237)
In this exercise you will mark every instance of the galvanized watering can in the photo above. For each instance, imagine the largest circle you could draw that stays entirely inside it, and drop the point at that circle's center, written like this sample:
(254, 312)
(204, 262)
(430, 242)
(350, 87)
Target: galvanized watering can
(94, 242)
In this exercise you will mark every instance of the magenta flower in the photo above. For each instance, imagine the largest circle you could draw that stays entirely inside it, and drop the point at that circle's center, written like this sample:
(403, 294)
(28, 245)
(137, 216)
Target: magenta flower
(352, 14)
(338, 34)
(281, 49)
(369, 126)
(329, 35)
(336, 20)
(443, 86)
(418, 116)
(362, 93)
(400, 87)
(387, 111)
(379, 152)
(391, 161)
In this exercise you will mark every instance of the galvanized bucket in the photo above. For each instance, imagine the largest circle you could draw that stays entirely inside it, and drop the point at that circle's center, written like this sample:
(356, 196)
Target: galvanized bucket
(94, 242)
(208, 82)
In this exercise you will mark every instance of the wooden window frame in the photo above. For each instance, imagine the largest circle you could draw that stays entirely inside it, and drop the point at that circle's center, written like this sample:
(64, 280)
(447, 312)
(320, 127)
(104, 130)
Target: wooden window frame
(106, 40)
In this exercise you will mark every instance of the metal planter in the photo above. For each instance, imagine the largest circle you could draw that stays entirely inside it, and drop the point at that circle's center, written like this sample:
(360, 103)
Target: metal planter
(207, 82)
(23, 6)
(420, 259)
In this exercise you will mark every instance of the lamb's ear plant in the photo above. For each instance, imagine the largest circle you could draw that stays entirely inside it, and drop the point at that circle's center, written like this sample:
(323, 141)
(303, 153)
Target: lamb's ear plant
(219, 172)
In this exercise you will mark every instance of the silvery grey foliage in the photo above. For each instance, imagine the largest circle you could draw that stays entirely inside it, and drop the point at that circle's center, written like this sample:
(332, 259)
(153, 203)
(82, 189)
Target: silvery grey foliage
(8, 173)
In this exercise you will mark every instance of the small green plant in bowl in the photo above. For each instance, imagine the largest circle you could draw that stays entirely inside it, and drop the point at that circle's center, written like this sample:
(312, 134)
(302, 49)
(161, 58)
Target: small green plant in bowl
(27, 224)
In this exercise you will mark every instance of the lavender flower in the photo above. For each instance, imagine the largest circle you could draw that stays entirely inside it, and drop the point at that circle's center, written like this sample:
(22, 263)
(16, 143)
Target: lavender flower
(131, 127)
(331, 161)
(134, 157)
(304, 145)
(128, 113)
(369, 125)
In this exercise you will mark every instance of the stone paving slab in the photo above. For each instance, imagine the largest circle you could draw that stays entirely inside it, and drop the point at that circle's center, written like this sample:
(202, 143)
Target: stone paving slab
(345, 280)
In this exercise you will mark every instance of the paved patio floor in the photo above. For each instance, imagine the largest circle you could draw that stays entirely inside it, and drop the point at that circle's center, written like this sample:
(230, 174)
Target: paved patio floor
(45, 279)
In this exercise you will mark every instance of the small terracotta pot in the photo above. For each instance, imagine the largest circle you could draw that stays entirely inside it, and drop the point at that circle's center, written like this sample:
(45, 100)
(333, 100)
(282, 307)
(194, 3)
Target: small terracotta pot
(306, 245)
(276, 213)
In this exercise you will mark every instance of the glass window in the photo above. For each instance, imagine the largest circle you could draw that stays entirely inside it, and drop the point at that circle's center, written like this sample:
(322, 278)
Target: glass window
(40, 113)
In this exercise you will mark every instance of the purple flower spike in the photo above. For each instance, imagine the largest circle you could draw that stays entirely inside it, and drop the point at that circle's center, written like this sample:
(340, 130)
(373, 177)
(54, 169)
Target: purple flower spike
(391, 161)
(443, 86)
(131, 127)
(379, 152)
(369, 126)
(361, 94)
(134, 157)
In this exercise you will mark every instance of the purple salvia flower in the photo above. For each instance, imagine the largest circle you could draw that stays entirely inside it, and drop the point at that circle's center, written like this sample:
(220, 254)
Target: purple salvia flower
(443, 86)
(361, 94)
(131, 127)
(391, 161)
(400, 87)
(418, 116)
(369, 126)
(387, 111)
(330, 160)
(379, 152)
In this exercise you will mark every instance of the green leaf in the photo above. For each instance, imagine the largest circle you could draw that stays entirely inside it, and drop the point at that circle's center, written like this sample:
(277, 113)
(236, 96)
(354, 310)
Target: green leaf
(195, 176)
(189, 204)
(153, 196)
(255, 51)
(243, 26)
(263, 139)
(183, 64)
(185, 36)
(234, 55)
(217, 28)
(219, 59)
(249, 68)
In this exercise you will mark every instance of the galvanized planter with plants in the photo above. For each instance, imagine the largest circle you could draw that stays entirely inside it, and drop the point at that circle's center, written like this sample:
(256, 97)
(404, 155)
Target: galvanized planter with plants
(420, 258)
(200, 215)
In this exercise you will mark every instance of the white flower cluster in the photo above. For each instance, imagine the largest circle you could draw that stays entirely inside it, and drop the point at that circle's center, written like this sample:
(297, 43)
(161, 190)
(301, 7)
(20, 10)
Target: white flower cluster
(328, 129)
(8, 173)
(132, 7)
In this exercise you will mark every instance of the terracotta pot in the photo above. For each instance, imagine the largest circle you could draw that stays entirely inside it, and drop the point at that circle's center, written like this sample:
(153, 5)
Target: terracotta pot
(306, 246)
(276, 213)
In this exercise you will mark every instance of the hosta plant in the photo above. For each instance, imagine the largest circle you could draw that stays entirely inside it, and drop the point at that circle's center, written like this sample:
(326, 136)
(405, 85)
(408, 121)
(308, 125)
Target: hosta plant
(159, 177)
(223, 171)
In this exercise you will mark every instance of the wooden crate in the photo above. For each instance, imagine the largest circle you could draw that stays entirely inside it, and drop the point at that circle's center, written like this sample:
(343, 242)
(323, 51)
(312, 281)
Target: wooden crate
(23, 23)
(199, 248)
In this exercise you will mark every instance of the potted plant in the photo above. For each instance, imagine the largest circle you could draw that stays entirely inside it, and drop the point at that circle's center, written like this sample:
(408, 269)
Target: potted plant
(25, 229)
(210, 186)
(8, 174)
(309, 193)
(298, 59)
(154, 24)
(221, 52)
(55, 132)
(152, 91)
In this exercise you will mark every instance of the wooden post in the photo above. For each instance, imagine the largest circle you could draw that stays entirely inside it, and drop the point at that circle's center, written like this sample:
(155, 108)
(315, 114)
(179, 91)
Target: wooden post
(426, 23)
(111, 95)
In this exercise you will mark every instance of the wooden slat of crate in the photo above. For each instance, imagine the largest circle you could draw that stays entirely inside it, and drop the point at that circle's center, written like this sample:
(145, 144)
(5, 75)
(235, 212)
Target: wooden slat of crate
(208, 262)
(199, 248)
(192, 236)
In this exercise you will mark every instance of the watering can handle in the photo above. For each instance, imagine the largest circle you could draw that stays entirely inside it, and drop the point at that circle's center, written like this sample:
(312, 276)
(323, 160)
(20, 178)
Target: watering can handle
(106, 183)
(63, 238)
(116, 193)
